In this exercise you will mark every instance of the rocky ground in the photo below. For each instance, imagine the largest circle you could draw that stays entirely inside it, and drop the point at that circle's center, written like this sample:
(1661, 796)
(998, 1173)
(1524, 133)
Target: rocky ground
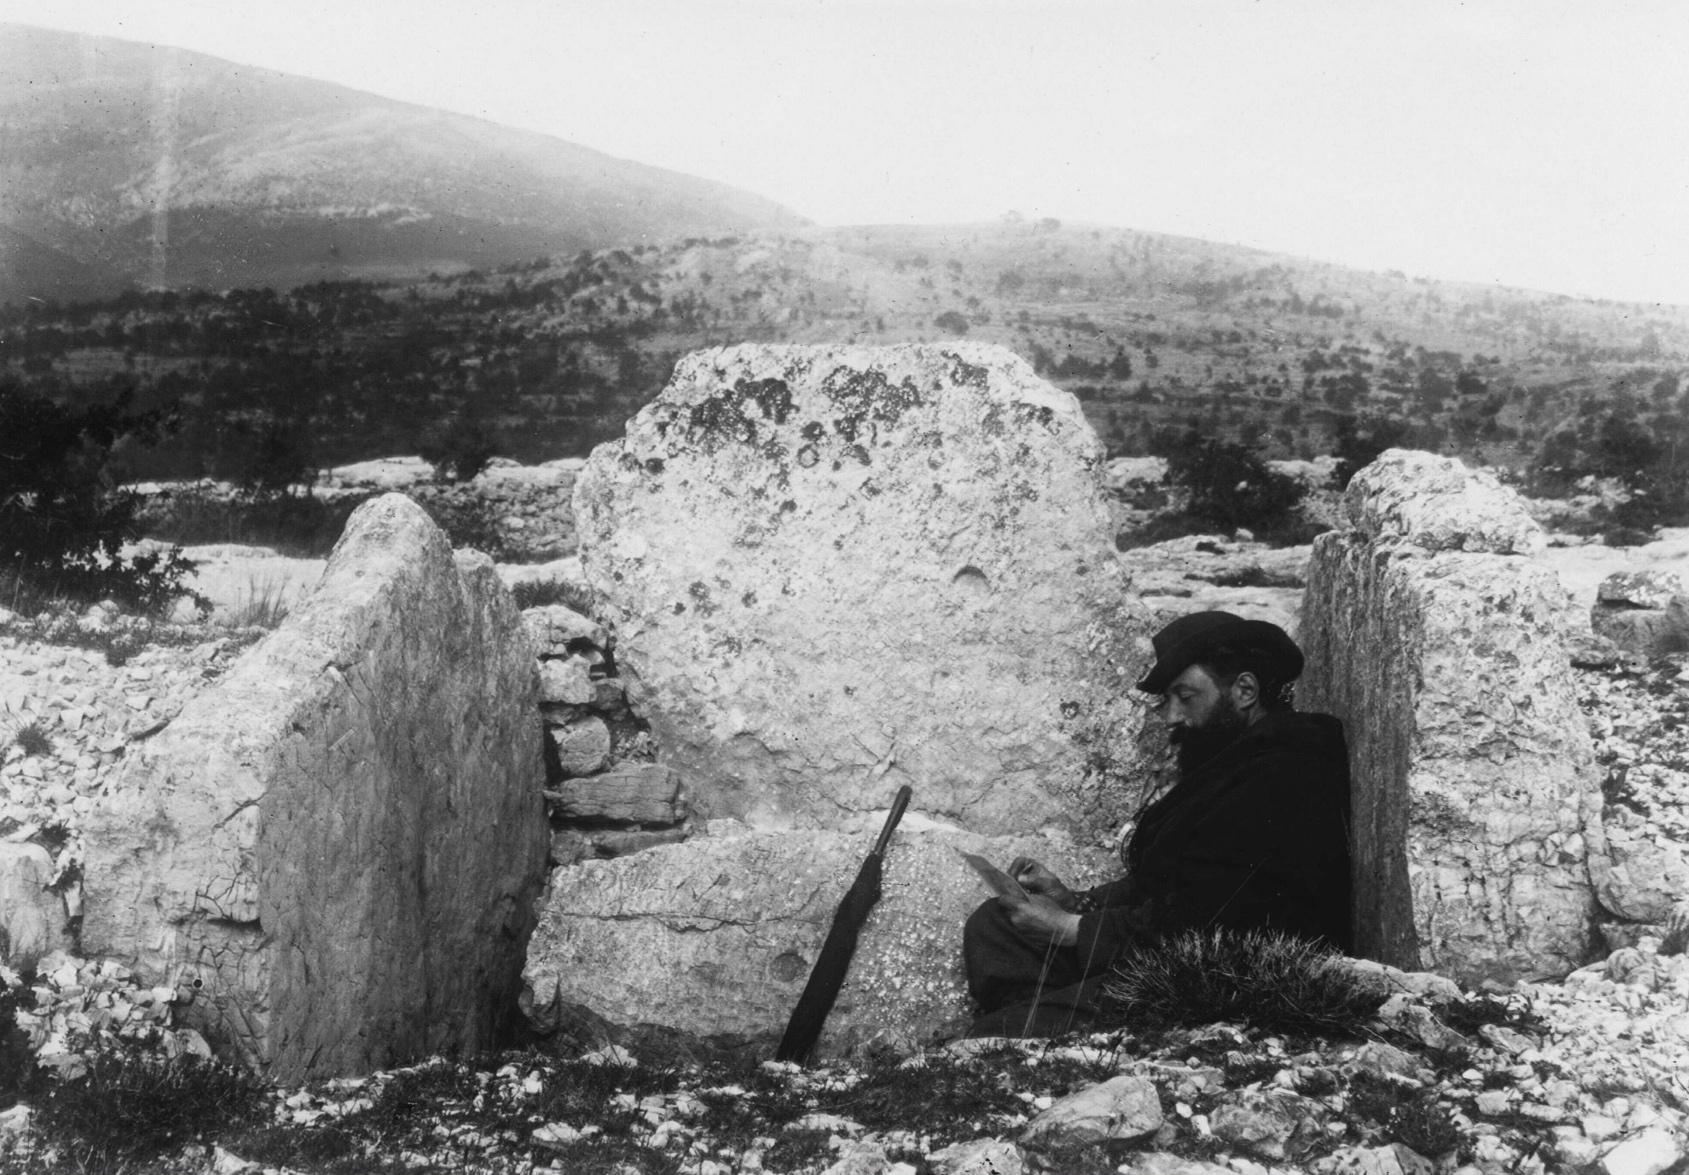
(1588, 1072)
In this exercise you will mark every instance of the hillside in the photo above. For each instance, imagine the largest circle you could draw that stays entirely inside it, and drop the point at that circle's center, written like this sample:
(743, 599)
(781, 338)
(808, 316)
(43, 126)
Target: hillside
(171, 168)
(1153, 333)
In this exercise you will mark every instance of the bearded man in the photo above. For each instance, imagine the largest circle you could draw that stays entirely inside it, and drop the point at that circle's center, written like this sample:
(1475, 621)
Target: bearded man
(1253, 836)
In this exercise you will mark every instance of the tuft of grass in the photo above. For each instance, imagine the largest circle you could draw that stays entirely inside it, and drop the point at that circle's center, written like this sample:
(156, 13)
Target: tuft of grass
(260, 606)
(32, 739)
(130, 1106)
(302, 527)
(1413, 1118)
(1270, 981)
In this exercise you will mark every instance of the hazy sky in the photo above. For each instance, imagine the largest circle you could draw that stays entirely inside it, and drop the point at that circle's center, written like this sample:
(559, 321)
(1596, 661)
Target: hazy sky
(1541, 144)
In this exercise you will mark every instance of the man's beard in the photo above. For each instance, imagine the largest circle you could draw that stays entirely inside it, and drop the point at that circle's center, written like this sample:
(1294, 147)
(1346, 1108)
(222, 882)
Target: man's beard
(1196, 745)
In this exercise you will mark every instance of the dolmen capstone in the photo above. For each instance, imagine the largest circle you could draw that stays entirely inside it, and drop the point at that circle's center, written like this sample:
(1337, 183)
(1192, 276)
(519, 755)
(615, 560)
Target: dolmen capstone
(334, 852)
(830, 571)
(1441, 644)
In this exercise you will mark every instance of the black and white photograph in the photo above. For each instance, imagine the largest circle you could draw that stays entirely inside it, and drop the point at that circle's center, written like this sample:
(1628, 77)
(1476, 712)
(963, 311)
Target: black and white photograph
(844, 587)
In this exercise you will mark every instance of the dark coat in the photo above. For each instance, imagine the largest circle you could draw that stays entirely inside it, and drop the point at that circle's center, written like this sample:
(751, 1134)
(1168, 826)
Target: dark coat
(1255, 838)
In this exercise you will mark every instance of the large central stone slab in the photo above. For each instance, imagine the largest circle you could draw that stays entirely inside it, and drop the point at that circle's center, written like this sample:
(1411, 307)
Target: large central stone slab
(826, 565)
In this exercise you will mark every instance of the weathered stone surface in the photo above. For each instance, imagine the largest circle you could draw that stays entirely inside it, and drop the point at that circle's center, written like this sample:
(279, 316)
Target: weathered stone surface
(1649, 588)
(1117, 1110)
(1268, 1123)
(719, 934)
(634, 793)
(554, 628)
(581, 744)
(820, 560)
(1438, 504)
(1642, 875)
(33, 922)
(978, 1156)
(1647, 1153)
(342, 840)
(1476, 801)
(1642, 612)
(567, 680)
(1394, 1159)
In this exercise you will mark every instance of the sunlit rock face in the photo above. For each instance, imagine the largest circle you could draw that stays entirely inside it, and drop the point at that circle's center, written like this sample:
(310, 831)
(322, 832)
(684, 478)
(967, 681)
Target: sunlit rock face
(720, 934)
(827, 563)
(1441, 645)
(334, 852)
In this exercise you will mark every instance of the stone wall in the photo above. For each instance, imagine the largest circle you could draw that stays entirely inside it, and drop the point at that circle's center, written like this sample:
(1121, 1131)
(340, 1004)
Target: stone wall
(1441, 645)
(334, 852)
(822, 560)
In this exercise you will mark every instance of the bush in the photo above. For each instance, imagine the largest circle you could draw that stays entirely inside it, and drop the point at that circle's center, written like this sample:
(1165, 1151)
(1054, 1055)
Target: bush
(1269, 980)
(62, 523)
(129, 1106)
(32, 739)
(1230, 486)
(1355, 450)
(459, 449)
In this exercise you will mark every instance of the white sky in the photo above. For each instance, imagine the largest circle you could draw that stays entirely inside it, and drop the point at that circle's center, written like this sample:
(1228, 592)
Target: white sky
(1540, 143)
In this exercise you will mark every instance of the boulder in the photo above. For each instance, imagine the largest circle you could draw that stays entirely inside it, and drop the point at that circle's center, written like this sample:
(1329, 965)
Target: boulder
(1120, 1109)
(718, 934)
(33, 920)
(1269, 1123)
(1642, 875)
(822, 560)
(581, 744)
(1476, 799)
(338, 846)
(1642, 612)
(1438, 504)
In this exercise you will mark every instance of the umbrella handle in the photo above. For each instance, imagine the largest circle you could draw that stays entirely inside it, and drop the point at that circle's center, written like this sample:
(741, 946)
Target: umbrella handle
(896, 814)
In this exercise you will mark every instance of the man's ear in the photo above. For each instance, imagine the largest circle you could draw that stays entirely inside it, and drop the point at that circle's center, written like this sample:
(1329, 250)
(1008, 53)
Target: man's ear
(1246, 690)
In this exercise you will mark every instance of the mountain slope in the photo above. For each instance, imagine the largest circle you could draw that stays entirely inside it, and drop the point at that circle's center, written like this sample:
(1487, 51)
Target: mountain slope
(178, 169)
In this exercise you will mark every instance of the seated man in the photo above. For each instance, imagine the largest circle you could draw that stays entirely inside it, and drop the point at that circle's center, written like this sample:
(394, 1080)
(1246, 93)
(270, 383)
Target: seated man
(1254, 835)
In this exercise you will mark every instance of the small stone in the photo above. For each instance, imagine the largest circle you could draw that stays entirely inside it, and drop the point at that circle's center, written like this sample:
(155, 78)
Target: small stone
(1493, 1102)
(1647, 1153)
(1121, 1108)
(582, 745)
(979, 1156)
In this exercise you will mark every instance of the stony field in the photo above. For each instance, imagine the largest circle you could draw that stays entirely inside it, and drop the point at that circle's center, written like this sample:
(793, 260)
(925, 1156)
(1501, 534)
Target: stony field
(1588, 1071)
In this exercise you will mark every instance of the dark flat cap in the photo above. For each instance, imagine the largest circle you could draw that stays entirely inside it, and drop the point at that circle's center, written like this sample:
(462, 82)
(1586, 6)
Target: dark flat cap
(1182, 643)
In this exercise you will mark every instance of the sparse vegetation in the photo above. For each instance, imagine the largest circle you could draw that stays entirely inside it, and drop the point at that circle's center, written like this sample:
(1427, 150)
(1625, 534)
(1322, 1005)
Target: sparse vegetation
(131, 1105)
(32, 739)
(1270, 981)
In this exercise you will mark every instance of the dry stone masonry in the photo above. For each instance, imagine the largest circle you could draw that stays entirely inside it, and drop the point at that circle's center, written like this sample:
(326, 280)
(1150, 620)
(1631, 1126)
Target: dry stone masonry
(1441, 645)
(819, 561)
(335, 850)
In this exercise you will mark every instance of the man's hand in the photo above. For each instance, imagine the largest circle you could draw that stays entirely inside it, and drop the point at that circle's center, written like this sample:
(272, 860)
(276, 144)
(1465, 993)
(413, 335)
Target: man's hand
(1035, 879)
(1040, 920)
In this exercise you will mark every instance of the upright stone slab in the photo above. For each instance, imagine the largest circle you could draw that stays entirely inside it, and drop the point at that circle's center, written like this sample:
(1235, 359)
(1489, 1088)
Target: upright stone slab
(819, 560)
(335, 851)
(1441, 645)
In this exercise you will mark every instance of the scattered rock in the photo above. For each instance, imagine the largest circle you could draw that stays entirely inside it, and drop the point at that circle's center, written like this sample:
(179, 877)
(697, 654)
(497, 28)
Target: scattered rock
(1269, 1123)
(1648, 1153)
(1120, 1109)
(823, 560)
(978, 1156)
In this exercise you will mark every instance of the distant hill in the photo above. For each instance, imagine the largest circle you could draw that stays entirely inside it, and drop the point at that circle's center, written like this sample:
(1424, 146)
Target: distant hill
(1152, 333)
(175, 169)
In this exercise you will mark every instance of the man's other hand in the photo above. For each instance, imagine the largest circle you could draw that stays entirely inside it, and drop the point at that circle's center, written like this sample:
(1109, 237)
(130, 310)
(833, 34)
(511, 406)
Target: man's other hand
(1040, 920)
(1035, 879)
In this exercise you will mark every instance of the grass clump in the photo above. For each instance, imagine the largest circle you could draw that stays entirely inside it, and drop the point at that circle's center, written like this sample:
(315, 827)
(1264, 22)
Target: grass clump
(1270, 981)
(32, 739)
(130, 1106)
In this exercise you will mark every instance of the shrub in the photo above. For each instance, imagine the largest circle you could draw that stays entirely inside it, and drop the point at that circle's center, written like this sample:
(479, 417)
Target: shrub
(62, 524)
(302, 527)
(32, 739)
(1269, 980)
(459, 448)
(1229, 485)
(129, 1106)
(1355, 450)
(19, 1074)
